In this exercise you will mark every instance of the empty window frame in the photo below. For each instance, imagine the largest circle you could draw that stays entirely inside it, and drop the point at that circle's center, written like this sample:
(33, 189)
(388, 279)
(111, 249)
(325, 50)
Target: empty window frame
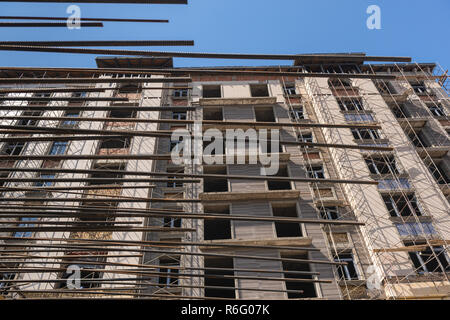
(215, 184)
(217, 229)
(264, 114)
(172, 222)
(399, 111)
(29, 122)
(174, 184)
(4, 278)
(306, 137)
(70, 114)
(45, 183)
(179, 115)
(129, 88)
(402, 205)
(418, 139)
(348, 271)
(353, 104)
(259, 90)
(362, 117)
(108, 175)
(365, 134)
(121, 143)
(13, 148)
(298, 113)
(289, 89)
(436, 109)
(284, 229)
(280, 185)
(79, 94)
(419, 87)
(3, 175)
(213, 114)
(212, 91)
(394, 184)
(316, 172)
(41, 95)
(58, 147)
(329, 213)
(308, 288)
(382, 165)
(439, 173)
(340, 83)
(218, 285)
(170, 268)
(414, 229)
(425, 261)
(181, 92)
(24, 224)
(122, 113)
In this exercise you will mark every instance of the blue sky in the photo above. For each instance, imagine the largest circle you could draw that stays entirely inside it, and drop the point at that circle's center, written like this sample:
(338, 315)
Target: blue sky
(414, 28)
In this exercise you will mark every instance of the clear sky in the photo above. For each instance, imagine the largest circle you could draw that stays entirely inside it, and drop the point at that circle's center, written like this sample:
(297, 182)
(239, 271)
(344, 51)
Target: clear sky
(415, 28)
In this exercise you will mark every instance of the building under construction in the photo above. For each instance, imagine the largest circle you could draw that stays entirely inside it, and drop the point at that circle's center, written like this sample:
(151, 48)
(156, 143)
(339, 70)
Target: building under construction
(93, 205)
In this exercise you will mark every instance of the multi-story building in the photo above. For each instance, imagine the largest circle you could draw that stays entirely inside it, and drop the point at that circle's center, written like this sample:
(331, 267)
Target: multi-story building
(358, 208)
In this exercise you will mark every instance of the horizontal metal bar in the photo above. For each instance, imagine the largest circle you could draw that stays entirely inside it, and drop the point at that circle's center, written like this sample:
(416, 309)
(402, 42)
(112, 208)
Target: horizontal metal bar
(93, 200)
(329, 145)
(101, 200)
(144, 285)
(96, 108)
(297, 57)
(49, 99)
(56, 138)
(52, 90)
(147, 284)
(172, 252)
(73, 89)
(201, 71)
(87, 157)
(83, 19)
(87, 228)
(91, 187)
(49, 222)
(46, 24)
(168, 243)
(102, 43)
(106, 1)
(198, 216)
(86, 138)
(147, 266)
(204, 122)
(210, 275)
(94, 80)
(188, 175)
(135, 296)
